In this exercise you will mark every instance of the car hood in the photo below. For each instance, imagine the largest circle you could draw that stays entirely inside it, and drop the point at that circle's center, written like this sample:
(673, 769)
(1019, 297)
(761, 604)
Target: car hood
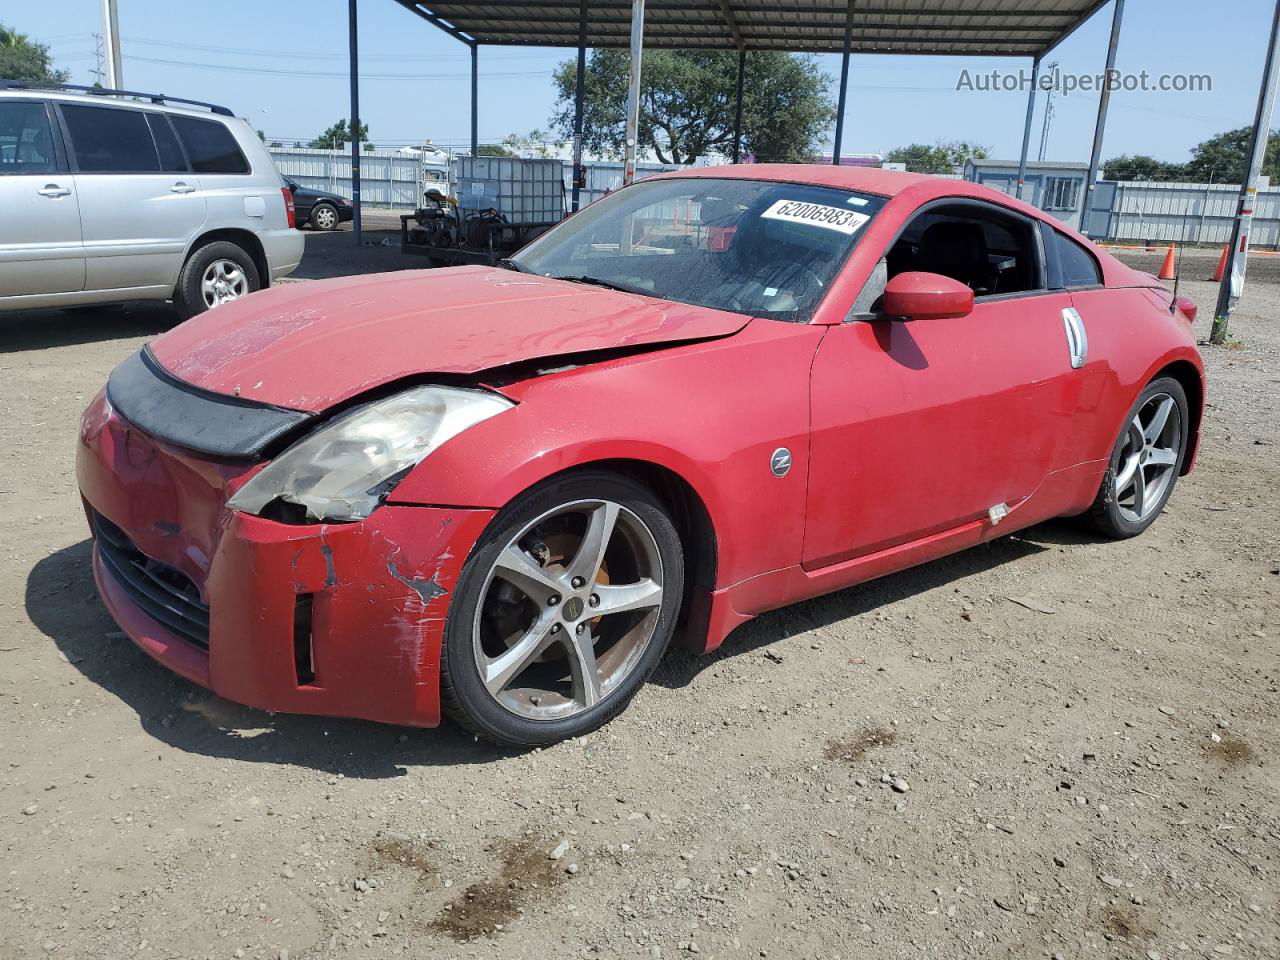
(308, 346)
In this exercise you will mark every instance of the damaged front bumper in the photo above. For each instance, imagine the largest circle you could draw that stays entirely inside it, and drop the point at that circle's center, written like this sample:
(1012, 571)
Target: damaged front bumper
(333, 619)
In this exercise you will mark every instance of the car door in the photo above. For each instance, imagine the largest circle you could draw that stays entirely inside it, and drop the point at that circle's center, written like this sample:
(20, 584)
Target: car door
(139, 203)
(41, 251)
(919, 427)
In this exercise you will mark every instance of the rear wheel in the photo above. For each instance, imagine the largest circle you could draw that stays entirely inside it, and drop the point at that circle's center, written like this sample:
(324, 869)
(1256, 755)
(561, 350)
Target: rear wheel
(562, 612)
(213, 275)
(1145, 462)
(324, 216)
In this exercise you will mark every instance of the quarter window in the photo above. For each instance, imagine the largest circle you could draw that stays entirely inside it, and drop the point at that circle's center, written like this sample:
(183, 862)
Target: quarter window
(108, 140)
(1079, 269)
(171, 158)
(26, 139)
(1060, 193)
(210, 146)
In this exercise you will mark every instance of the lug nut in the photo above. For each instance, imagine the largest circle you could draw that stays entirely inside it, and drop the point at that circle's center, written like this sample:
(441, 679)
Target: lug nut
(594, 600)
(581, 628)
(578, 583)
(555, 628)
(553, 600)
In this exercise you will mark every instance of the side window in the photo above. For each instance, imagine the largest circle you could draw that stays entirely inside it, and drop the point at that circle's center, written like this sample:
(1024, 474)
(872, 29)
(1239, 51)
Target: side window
(1079, 269)
(171, 158)
(110, 140)
(990, 251)
(210, 146)
(26, 139)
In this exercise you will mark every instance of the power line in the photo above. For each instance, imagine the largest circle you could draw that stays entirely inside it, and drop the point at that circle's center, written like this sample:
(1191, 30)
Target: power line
(275, 54)
(337, 75)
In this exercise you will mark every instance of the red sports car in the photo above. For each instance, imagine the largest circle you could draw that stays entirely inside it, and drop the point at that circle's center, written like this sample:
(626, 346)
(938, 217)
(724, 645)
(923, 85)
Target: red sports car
(499, 493)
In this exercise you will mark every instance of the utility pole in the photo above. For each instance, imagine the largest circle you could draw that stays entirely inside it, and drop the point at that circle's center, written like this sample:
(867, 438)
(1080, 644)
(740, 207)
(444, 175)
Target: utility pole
(632, 144)
(1238, 252)
(1052, 70)
(111, 36)
(100, 70)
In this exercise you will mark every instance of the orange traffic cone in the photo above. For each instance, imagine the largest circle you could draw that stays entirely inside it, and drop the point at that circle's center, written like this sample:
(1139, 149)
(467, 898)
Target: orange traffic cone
(1222, 266)
(1166, 268)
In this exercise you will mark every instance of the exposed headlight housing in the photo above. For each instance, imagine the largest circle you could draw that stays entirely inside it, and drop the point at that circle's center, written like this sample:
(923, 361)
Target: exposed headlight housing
(345, 469)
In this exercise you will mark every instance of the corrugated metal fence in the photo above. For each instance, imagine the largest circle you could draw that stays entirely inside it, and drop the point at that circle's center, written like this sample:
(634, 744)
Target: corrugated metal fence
(1183, 212)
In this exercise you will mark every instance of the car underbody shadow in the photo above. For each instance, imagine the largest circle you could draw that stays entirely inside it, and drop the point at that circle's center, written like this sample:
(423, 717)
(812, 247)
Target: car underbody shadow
(63, 604)
(680, 667)
(42, 329)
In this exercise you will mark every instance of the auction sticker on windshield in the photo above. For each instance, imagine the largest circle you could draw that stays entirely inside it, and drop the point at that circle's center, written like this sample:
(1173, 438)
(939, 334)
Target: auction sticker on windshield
(817, 215)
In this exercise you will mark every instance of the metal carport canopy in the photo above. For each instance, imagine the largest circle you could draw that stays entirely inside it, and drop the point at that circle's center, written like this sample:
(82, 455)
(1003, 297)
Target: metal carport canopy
(974, 28)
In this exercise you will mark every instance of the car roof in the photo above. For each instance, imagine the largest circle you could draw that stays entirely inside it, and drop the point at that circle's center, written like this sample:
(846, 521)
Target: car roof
(102, 100)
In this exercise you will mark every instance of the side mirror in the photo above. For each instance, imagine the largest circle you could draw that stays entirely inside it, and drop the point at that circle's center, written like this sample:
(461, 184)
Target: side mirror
(926, 296)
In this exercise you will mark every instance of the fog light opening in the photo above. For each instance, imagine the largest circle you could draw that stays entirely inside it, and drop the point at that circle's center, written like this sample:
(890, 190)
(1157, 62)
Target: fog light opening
(304, 663)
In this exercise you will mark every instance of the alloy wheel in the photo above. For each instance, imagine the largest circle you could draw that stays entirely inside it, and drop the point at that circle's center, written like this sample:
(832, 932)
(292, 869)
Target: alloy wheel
(326, 218)
(1148, 458)
(223, 281)
(568, 609)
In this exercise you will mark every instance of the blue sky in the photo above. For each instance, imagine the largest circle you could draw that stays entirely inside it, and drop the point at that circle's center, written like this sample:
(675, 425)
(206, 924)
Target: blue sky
(282, 65)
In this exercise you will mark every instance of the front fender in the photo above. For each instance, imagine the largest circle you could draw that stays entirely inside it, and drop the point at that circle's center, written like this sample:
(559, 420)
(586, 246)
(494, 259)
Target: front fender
(713, 413)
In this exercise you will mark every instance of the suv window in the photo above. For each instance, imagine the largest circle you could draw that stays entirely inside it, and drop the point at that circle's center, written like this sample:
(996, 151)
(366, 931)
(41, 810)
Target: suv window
(1079, 269)
(110, 140)
(210, 146)
(171, 157)
(990, 251)
(26, 139)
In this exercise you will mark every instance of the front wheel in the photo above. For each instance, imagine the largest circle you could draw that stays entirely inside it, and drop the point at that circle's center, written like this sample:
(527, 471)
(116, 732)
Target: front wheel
(1145, 462)
(562, 612)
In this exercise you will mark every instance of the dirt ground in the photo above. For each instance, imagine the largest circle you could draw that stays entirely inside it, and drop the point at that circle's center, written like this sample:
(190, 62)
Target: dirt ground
(1087, 733)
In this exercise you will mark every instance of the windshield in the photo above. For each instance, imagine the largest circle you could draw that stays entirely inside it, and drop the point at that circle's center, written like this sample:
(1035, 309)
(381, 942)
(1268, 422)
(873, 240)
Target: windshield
(757, 247)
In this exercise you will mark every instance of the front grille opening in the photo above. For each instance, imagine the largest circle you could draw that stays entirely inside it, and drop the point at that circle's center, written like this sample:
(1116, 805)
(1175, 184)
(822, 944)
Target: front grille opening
(164, 593)
(304, 663)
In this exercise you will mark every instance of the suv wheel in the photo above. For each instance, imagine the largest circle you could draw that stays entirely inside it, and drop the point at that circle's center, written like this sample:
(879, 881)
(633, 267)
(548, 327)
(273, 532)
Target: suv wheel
(214, 274)
(324, 217)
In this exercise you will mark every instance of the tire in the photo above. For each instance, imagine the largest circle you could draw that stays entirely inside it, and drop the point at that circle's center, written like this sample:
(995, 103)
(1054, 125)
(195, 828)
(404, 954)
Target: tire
(1157, 468)
(549, 698)
(191, 296)
(324, 216)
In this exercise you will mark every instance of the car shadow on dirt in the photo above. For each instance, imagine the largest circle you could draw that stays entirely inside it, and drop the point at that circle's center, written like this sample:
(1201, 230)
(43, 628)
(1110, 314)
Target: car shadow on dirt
(63, 604)
(42, 329)
(681, 667)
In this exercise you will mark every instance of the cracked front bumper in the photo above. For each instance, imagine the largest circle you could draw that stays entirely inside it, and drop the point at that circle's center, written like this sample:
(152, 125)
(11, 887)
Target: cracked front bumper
(375, 593)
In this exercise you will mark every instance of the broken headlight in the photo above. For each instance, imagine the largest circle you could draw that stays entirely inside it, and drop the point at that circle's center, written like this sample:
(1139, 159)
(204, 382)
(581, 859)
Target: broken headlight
(346, 468)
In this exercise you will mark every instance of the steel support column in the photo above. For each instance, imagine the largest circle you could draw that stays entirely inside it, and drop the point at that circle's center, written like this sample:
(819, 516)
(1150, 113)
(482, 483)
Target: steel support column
(578, 92)
(737, 107)
(111, 43)
(1026, 130)
(1238, 253)
(633, 93)
(1103, 102)
(353, 39)
(844, 83)
(475, 99)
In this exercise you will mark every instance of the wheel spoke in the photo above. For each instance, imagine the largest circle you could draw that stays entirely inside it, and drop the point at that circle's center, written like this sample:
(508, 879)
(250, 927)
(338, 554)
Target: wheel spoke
(1139, 492)
(519, 569)
(631, 596)
(582, 666)
(1159, 457)
(501, 670)
(586, 562)
(1153, 429)
(1125, 477)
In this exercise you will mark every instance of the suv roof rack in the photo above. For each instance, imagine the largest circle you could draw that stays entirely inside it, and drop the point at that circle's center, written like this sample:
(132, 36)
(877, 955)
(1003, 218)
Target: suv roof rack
(104, 92)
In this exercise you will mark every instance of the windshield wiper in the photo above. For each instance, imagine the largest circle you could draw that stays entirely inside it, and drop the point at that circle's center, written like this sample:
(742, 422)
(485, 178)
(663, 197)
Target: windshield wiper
(607, 284)
(508, 264)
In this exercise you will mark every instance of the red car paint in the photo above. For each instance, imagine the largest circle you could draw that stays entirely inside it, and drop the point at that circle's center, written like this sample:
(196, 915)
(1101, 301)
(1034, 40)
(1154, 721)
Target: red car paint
(902, 436)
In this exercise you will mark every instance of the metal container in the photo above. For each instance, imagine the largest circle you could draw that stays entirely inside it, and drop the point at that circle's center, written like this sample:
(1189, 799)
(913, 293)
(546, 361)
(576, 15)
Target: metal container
(523, 191)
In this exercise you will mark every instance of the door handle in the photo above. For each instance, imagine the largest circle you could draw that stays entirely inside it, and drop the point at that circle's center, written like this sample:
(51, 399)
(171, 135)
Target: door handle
(1077, 338)
(181, 187)
(53, 190)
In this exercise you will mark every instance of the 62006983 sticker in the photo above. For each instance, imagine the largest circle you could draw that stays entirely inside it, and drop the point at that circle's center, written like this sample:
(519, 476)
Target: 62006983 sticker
(847, 222)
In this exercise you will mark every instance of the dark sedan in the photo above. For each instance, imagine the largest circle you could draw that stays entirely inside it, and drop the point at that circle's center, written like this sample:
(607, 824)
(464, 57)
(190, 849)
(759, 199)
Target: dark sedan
(321, 209)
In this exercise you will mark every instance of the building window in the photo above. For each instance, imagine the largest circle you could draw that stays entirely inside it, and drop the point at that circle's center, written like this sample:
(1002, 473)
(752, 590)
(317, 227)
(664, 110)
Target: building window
(1060, 193)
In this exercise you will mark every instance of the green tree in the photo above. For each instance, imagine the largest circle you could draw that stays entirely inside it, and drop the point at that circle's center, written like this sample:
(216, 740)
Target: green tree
(338, 134)
(1221, 159)
(687, 104)
(945, 156)
(494, 150)
(23, 59)
(1142, 167)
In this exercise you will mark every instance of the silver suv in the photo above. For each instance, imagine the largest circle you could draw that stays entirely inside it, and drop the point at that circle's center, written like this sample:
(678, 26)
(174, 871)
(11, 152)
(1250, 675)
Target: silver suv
(135, 197)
